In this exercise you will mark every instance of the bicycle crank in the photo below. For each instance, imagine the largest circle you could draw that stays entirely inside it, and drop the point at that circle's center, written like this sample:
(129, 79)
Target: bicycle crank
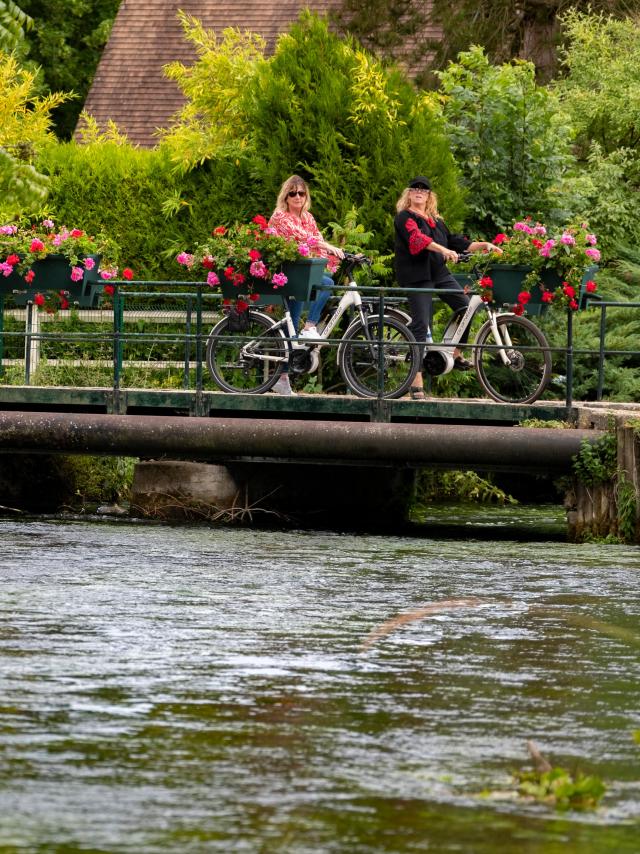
(304, 361)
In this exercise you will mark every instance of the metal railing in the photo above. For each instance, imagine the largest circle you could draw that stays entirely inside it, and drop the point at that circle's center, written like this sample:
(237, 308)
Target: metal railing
(195, 307)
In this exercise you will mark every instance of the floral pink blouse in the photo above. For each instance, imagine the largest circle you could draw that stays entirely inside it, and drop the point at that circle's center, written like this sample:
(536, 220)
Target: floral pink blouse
(303, 230)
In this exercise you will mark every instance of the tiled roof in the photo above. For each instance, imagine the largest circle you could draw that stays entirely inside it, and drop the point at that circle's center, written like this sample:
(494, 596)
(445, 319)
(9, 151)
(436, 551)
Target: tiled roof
(129, 86)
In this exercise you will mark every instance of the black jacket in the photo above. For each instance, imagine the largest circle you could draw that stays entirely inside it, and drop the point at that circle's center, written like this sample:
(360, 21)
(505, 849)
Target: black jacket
(424, 265)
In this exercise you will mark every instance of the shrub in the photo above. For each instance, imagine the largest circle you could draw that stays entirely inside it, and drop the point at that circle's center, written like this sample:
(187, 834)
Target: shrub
(509, 136)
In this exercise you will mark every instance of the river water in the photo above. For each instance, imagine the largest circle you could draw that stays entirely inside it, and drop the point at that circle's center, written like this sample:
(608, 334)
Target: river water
(194, 689)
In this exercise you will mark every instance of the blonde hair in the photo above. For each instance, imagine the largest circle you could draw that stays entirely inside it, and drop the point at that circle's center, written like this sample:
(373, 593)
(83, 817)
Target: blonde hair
(431, 205)
(295, 182)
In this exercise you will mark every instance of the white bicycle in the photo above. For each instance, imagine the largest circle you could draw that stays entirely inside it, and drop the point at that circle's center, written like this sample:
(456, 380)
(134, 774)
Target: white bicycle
(377, 356)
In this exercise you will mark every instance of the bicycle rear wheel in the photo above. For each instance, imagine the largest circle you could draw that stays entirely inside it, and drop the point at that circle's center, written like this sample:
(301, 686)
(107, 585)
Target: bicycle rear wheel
(528, 368)
(369, 372)
(250, 360)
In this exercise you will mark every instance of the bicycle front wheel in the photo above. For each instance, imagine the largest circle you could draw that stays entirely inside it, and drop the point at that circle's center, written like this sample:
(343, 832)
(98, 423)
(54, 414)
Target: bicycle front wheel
(379, 358)
(517, 367)
(247, 360)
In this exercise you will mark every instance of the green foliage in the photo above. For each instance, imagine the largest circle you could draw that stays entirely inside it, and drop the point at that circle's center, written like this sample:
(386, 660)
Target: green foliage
(562, 788)
(600, 90)
(65, 44)
(509, 136)
(627, 505)
(215, 119)
(320, 107)
(597, 461)
(601, 84)
(13, 23)
(96, 480)
(459, 485)
(113, 187)
(24, 132)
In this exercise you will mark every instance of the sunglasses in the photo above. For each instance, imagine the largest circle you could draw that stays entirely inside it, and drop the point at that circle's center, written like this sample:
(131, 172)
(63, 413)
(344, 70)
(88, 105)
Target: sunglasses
(293, 193)
(420, 189)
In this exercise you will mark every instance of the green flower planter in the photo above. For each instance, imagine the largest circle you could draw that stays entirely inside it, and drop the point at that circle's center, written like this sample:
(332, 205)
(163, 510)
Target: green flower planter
(303, 276)
(53, 273)
(508, 282)
(552, 280)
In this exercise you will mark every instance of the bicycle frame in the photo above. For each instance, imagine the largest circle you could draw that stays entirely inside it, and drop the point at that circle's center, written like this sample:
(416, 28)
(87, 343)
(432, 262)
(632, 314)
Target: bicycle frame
(459, 324)
(351, 298)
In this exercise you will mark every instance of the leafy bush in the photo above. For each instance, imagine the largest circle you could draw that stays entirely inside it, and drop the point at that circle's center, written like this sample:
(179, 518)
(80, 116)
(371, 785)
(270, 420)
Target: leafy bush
(509, 136)
(321, 107)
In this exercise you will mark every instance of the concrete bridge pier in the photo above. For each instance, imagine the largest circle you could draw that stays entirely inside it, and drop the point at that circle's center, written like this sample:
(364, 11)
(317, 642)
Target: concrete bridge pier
(304, 494)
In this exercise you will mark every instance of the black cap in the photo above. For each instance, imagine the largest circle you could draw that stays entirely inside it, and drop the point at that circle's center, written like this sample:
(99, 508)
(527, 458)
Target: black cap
(420, 181)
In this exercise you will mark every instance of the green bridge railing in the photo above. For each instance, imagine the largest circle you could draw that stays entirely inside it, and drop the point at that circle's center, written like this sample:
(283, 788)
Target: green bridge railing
(155, 327)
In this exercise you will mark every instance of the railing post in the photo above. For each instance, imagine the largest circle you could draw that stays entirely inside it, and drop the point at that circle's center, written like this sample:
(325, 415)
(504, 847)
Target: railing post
(1, 333)
(603, 323)
(569, 363)
(187, 343)
(118, 318)
(199, 340)
(380, 345)
(29, 341)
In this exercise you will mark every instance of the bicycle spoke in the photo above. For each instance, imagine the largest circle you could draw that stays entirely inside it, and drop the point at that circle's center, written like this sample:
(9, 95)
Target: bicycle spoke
(371, 365)
(516, 368)
(247, 361)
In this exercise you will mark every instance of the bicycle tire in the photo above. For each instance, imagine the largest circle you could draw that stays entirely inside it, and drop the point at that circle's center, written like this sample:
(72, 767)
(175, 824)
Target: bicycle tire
(236, 373)
(527, 375)
(358, 358)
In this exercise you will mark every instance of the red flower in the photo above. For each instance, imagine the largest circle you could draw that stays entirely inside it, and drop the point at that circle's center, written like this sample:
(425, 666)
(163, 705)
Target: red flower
(261, 221)
(30, 276)
(518, 309)
(76, 232)
(254, 297)
(238, 279)
(229, 273)
(13, 259)
(39, 299)
(568, 290)
(254, 255)
(486, 282)
(537, 243)
(36, 245)
(590, 286)
(64, 303)
(226, 302)
(219, 230)
(500, 238)
(241, 305)
(109, 290)
(208, 263)
(127, 274)
(573, 305)
(524, 297)
(548, 296)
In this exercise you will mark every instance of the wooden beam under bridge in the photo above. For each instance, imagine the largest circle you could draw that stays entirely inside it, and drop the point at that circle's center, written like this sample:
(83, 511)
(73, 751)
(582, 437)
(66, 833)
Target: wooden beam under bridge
(453, 446)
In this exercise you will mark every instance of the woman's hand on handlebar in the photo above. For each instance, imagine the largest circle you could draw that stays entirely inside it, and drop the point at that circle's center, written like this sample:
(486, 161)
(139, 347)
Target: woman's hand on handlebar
(333, 250)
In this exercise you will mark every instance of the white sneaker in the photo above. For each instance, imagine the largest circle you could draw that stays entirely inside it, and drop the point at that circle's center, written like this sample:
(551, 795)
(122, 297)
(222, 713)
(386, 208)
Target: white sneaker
(283, 386)
(310, 333)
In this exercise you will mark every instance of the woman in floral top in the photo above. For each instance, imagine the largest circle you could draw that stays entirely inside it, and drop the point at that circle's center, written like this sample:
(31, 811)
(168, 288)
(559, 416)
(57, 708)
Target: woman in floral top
(423, 245)
(293, 220)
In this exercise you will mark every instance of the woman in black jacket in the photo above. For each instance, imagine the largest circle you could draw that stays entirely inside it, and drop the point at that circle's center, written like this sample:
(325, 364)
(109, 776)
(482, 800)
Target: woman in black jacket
(423, 245)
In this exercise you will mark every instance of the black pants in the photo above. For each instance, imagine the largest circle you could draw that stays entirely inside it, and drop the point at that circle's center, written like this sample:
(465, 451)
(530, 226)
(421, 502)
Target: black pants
(421, 305)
